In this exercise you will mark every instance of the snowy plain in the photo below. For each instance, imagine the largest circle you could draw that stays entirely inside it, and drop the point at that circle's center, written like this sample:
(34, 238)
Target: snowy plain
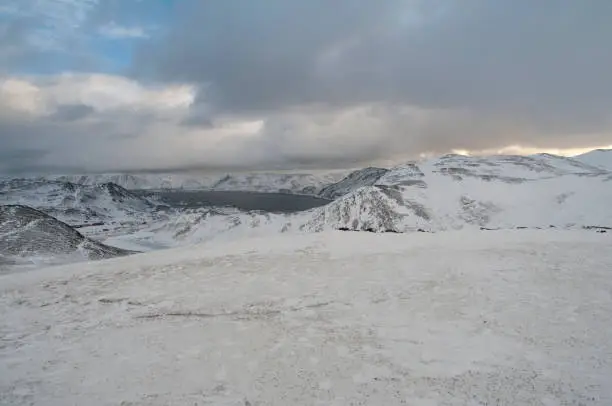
(514, 317)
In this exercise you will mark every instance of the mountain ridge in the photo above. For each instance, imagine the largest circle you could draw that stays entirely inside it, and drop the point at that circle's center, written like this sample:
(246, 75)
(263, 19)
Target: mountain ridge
(456, 191)
(305, 183)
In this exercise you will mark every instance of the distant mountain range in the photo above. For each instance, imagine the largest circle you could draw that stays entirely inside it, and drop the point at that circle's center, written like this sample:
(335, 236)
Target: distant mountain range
(301, 183)
(445, 193)
(74, 203)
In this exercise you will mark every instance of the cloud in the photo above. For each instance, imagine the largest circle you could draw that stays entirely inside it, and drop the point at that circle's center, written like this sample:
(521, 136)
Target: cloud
(71, 112)
(286, 84)
(543, 63)
(51, 24)
(80, 123)
(114, 31)
(102, 122)
(51, 36)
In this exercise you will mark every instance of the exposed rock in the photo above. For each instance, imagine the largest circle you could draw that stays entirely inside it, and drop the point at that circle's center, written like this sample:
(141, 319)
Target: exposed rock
(354, 181)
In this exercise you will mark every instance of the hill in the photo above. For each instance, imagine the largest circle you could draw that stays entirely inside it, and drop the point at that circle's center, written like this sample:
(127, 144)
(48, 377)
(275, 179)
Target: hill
(601, 158)
(29, 236)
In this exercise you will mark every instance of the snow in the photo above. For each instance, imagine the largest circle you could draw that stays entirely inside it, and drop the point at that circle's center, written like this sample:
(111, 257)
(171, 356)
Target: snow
(601, 158)
(308, 183)
(75, 203)
(446, 193)
(200, 225)
(334, 318)
(455, 191)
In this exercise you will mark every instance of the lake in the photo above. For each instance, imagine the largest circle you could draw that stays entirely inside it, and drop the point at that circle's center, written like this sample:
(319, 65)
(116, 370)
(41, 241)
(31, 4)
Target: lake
(270, 202)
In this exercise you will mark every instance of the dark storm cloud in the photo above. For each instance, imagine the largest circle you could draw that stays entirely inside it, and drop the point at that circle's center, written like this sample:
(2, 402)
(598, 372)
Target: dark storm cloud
(71, 112)
(198, 118)
(545, 63)
(62, 142)
(18, 160)
(259, 54)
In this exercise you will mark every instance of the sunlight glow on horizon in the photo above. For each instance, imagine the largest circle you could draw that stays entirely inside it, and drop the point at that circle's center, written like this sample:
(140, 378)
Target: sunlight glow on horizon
(519, 150)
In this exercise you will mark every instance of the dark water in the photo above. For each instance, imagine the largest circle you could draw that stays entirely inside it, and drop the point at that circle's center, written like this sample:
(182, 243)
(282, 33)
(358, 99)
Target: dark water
(271, 202)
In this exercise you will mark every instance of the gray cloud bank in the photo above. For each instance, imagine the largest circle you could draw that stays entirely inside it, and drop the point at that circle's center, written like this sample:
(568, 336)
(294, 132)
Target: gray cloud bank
(350, 81)
(547, 60)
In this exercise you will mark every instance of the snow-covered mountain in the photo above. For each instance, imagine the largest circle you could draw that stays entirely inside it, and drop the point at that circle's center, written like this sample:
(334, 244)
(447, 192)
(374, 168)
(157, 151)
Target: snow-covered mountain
(457, 191)
(30, 236)
(276, 182)
(141, 180)
(255, 182)
(601, 158)
(450, 192)
(74, 203)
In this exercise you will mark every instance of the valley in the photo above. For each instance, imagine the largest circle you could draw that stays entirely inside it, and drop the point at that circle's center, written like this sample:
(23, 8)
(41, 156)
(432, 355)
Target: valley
(451, 192)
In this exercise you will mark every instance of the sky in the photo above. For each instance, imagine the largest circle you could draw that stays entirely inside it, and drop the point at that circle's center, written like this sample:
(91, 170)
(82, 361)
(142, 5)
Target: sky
(232, 85)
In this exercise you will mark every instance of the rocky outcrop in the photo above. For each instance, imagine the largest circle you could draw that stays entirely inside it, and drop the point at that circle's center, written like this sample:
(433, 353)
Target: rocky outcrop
(355, 180)
(27, 235)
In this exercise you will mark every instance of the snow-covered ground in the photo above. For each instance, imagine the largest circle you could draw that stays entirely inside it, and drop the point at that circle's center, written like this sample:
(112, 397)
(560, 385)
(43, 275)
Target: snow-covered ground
(519, 317)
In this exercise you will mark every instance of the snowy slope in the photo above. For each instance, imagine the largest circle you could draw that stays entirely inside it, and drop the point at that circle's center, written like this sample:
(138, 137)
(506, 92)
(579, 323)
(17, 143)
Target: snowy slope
(457, 191)
(458, 318)
(194, 226)
(31, 236)
(256, 182)
(601, 158)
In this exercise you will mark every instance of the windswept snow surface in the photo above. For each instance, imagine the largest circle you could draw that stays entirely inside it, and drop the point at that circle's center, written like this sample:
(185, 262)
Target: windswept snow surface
(458, 318)
(190, 227)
